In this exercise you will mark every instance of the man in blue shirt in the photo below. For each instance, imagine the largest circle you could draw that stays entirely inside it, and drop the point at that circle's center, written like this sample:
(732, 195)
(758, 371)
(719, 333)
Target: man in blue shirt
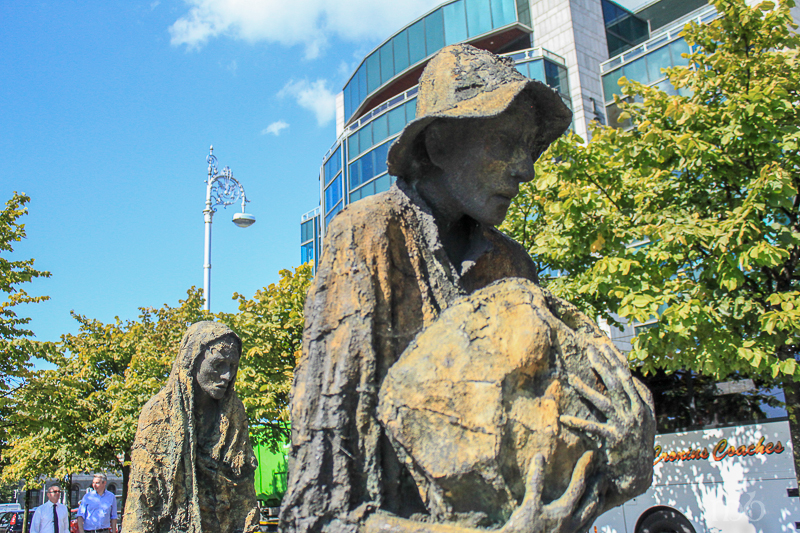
(98, 510)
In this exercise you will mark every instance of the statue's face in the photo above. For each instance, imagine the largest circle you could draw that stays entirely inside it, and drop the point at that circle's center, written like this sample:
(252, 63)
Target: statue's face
(482, 163)
(218, 368)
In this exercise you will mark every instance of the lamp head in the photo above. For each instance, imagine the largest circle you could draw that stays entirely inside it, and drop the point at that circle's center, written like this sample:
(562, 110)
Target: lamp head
(244, 220)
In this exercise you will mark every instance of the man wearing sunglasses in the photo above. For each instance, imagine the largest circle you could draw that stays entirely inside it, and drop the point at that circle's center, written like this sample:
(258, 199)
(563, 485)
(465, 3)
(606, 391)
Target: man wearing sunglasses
(52, 516)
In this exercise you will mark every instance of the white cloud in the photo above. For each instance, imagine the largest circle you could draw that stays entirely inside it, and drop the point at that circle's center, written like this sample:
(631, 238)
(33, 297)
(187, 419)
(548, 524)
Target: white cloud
(233, 66)
(314, 96)
(305, 22)
(275, 128)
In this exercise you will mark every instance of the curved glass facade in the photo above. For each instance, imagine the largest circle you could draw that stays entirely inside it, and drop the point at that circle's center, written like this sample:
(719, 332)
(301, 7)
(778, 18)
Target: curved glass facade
(451, 23)
(644, 63)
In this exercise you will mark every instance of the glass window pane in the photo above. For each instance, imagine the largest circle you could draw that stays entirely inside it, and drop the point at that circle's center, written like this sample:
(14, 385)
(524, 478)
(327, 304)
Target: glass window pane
(479, 17)
(411, 110)
(400, 52)
(307, 230)
(333, 193)
(380, 128)
(382, 184)
(355, 174)
(397, 119)
(416, 42)
(636, 71)
(434, 32)
(330, 215)
(524, 12)
(657, 60)
(536, 70)
(365, 138)
(677, 48)
(523, 69)
(362, 86)
(502, 12)
(387, 62)
(356, 195)
(610, 87)
(455, 22)
(352, 146)
(373, 72)
(348, 94)
(556, 77)
(381, 153)
(367, 168)
(307, 252)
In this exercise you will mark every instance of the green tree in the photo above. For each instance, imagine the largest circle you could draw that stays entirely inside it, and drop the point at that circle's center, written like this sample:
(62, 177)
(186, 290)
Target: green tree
(271, 327)
(17, 346)
(82, 415)
(691, 217)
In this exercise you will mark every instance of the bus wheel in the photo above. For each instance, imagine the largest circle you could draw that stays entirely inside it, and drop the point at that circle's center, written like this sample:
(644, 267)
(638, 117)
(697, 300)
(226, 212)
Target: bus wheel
(665, 521)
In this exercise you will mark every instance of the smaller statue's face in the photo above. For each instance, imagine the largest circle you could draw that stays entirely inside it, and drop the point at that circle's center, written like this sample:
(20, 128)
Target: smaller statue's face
(218, 368)
(482, 163)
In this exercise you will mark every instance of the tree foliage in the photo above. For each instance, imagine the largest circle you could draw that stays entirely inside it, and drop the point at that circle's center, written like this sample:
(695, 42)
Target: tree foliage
(17, 346)
(691, 217)
(271, 327)
(82, 415)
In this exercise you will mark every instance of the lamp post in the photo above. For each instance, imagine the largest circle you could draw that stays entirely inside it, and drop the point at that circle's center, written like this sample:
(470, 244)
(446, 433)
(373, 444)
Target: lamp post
(221, 189)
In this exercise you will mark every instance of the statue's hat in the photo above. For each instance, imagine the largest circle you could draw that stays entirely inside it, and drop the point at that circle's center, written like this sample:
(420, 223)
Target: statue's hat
(464, 82)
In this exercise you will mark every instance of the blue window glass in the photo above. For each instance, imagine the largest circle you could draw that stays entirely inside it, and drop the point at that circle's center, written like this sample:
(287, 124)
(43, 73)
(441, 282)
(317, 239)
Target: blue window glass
(333, 165)
(677, 48)
(368, 189)
(523, 69)
(381, 152)
(365, 138)
(352, 146)
(307, 230)
(610, 86)
(636, 70)
(479, 17)
(362, 85)
(400, 43)
(502, 13)
(387, 62)
(333, 193)
(367, 168)
(373, 72)
(348, 94)
(524, 12)
(536, 70)
(416, 42)
(657, 60)
(397, 119)
(434, 32)
(411, 110)
(333, 212)
(380, 128)
(355, 195)
(382, 184)
(556, 77)
(355, 174)
(455, 22)
(307, 252)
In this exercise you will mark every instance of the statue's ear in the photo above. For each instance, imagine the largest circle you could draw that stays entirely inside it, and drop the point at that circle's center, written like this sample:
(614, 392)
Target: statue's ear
(433, 146)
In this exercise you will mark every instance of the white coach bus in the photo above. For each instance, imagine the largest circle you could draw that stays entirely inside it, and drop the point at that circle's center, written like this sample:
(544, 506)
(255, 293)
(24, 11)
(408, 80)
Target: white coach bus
(736, 479)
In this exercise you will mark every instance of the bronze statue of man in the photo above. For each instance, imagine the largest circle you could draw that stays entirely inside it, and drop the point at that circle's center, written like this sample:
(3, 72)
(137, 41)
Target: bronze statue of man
(440, 388)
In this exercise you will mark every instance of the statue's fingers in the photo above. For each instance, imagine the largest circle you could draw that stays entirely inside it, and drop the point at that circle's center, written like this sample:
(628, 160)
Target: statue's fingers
(597, 399)
(588, 509)
(604, 369)
(589, 426)
(623, 374)
(535, 482)
(565, 505)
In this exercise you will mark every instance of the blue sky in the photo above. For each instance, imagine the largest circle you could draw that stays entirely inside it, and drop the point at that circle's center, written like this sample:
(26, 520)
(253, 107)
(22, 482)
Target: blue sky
(107, 111)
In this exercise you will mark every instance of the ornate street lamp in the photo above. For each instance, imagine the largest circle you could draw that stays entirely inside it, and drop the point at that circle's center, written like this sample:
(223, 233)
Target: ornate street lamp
(221, 189)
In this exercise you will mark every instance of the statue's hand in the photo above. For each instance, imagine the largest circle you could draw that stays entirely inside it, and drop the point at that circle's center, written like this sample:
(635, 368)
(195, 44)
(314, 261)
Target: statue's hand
(567, 514)
(629, 428)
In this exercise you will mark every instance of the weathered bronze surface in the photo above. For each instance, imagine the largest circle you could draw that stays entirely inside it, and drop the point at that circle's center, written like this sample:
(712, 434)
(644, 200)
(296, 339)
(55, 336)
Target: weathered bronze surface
(192, 465)
(440, 388)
